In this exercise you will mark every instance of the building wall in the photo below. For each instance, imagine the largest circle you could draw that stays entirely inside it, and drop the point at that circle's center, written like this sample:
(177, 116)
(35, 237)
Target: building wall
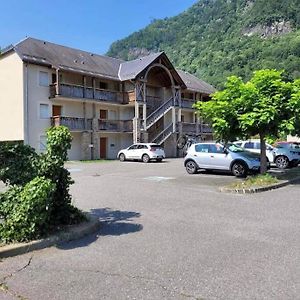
(75, 152)
(188, 116)
(11, 98)
(115, 142)
(37, 95)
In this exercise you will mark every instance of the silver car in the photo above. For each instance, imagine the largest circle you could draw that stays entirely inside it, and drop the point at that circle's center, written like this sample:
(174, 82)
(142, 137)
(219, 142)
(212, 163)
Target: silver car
(215, 156)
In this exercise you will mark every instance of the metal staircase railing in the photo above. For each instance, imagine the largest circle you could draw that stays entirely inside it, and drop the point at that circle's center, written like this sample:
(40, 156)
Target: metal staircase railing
(159, 112)
(162, 136)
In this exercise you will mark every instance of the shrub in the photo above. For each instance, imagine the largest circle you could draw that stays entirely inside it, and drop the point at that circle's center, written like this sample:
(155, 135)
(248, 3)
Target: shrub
(26, 210)
(17, 163)
(44, 201)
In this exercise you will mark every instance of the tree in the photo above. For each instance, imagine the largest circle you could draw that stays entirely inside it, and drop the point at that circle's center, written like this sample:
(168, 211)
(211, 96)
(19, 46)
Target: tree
(267, 105)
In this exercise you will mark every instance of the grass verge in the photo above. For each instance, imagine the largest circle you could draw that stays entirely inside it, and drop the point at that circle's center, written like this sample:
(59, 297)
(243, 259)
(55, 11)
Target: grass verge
(254, 182)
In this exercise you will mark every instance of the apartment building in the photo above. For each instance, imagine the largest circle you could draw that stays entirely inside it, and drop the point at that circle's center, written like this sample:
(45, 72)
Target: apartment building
(107, 103)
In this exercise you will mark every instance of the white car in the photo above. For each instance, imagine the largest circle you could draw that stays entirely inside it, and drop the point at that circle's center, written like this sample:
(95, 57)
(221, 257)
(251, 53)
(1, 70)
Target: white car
(254, 147)
(142, 151)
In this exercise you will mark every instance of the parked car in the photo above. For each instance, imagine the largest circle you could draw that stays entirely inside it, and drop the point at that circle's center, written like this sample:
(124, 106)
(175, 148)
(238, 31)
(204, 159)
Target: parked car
(283, 154)
(215, 156)
(287, 154)
(142, 151)
(254, 146)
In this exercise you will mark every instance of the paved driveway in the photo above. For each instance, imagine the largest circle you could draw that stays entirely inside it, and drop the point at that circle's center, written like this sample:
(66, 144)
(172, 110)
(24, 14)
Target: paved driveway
(167, 235)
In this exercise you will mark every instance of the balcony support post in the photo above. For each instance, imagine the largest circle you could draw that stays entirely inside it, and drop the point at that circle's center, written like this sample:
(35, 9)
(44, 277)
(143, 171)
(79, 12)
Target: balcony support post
(84, 86)
(94, 87)
(84, 115)
(57, 82)
(144, 105)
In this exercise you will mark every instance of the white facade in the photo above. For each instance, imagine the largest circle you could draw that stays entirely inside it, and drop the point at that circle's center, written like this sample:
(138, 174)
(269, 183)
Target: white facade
(35, 97)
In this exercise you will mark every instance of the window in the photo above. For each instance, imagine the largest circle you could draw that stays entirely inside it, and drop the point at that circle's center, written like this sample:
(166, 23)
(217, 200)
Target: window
(44, 111)
(257, 146)
(133, 147)
(249, 145)
(202, 148)
(43, 79)
(142, 147)
(216, 148)
(43, 143)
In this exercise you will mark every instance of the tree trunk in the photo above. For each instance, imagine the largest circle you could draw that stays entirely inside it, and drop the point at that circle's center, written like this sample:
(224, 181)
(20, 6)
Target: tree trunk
(263, 155)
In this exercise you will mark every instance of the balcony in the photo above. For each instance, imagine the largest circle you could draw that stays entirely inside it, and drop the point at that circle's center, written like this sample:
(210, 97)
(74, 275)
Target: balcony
(74, 124)
(81, 92)
(194, 128)
(115, 125)
(187, 103)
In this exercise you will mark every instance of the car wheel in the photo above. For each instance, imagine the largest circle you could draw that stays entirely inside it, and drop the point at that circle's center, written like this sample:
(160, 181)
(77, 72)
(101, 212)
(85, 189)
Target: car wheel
(122, 157)
(282, 162)
(159, 159)
(239, 169)
(191, 167)
(145, 158)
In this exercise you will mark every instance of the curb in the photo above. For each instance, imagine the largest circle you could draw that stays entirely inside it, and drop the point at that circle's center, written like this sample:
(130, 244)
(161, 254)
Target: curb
(259, 189)
(73, 233)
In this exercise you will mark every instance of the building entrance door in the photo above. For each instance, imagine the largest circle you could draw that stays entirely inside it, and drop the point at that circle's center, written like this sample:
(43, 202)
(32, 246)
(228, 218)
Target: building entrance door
(103, 147)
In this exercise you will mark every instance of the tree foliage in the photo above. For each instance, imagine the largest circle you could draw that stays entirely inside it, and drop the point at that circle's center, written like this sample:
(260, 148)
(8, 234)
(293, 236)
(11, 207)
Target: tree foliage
(267, 105)
(209, 39)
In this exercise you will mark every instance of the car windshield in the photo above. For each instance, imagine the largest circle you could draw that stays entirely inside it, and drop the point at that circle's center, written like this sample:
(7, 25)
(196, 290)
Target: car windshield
(235, 148)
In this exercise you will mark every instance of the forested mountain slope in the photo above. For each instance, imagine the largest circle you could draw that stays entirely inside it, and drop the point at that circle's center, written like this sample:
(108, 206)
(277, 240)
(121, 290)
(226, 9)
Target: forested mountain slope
(216, 38)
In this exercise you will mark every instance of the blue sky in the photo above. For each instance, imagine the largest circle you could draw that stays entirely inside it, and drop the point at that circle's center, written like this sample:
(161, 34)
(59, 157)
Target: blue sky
(88, 25)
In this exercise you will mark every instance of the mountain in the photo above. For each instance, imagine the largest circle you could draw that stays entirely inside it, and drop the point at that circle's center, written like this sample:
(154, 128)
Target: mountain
(217, 38)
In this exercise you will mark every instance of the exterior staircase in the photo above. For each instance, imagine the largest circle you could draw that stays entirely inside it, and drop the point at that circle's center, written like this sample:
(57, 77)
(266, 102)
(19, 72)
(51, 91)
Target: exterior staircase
(159, 112)
(163, 135)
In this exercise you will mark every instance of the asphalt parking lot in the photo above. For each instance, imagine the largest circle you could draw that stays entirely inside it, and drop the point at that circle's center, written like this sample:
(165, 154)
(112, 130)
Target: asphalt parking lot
(166, 235)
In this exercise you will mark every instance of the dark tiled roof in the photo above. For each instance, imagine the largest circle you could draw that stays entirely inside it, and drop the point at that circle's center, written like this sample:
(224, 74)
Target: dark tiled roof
(45, 53)
(40, 52)
(130, 69)
(195, 84)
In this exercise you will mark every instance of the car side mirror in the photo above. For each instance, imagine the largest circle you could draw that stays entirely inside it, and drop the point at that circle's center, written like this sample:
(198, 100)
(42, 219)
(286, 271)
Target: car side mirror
(269, 148)
(225, 151)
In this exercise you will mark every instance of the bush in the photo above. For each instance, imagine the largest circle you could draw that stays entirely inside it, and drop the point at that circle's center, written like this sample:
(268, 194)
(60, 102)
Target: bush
(42, 200)
(26, 210)
(17, 163)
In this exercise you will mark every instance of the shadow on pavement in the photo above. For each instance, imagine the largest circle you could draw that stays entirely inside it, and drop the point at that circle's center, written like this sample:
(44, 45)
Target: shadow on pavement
(113, 222)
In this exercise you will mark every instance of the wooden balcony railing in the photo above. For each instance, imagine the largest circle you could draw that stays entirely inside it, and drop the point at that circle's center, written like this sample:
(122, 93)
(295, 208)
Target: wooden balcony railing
(74, 124)
(187, 103)
(116, 125)
(78, 91)
(194, 128)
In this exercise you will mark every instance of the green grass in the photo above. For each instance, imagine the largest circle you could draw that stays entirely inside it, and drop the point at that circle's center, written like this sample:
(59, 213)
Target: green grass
(254, 182)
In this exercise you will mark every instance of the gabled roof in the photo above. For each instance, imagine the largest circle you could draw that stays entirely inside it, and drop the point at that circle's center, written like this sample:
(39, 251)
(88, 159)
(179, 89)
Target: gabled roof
(130, 69)
(195, 84)
(65, 58)
(45, 53)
